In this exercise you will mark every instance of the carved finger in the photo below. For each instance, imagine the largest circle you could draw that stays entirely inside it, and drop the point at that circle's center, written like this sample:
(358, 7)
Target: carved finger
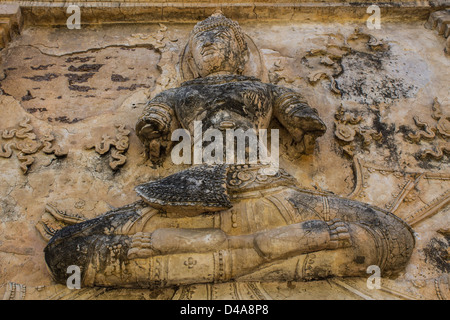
(341, 229)
(154, 149)
(339, 234)
(141, 235)
(143, 245)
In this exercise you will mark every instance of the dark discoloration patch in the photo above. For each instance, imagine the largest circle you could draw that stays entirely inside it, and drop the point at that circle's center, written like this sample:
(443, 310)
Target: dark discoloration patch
(360, 259)
(78, 59)
(42, 67)
(133, 87)
(46, 77)
(33, 110)
(86, 68)
(406, 131)
(80, 88)
(436, 253)
(427, 163)
(28, 96)
(314, 226)
(118, 78)
(65, 119)
(9, 210)
(388, 138)
(368, 90)
(78, 78)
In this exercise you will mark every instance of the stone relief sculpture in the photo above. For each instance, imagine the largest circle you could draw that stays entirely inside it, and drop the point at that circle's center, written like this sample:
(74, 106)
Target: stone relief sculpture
(221, 95)
(218, 223)
(25, 141)
(120, 146)
(437, 133)
(348, 127)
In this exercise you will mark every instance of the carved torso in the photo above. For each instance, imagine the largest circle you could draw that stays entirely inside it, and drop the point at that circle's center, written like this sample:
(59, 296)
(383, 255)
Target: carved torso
(223, 102)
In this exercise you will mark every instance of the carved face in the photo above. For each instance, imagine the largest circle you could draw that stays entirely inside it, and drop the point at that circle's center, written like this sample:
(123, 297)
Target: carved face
(216, 50)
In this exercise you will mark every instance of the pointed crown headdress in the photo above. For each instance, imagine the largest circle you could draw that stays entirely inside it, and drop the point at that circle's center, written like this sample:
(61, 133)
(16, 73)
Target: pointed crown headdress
(217, 19)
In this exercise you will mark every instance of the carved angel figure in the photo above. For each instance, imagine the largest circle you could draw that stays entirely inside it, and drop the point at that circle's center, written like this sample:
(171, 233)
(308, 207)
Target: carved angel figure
(221, 223)
(221, 96)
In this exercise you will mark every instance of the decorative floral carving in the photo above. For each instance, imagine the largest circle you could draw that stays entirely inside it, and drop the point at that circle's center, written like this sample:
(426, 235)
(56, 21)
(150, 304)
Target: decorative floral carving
(120, 146)
(436, 134)
(27, 144)
(345, 133)
(349, 126)
(326, 63)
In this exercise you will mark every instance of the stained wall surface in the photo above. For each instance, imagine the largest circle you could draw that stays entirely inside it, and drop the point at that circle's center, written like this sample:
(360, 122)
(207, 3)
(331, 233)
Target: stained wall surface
(384, 95)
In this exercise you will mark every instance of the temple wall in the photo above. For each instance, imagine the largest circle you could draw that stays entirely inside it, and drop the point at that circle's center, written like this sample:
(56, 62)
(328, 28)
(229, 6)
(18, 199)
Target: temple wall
(384, 95)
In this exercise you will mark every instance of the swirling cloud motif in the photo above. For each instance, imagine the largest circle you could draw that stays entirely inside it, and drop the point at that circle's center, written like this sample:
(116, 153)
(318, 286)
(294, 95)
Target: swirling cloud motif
(27, 144)
(117, 146)
(437, 134)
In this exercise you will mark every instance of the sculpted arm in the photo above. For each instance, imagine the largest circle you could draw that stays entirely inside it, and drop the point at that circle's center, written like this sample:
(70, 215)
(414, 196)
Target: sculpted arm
(156, 124)
(294, 113)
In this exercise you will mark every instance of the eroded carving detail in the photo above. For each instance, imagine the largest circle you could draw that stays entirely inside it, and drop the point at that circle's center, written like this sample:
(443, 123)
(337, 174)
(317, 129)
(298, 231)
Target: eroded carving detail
(120, 146)
(27, 144)
(349, 127)
(437, 134)
(326, 63)
(413, 196)
(224, 223)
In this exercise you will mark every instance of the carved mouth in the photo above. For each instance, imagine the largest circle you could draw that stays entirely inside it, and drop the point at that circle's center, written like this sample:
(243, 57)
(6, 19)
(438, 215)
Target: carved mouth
(227, 124)
(208, 50)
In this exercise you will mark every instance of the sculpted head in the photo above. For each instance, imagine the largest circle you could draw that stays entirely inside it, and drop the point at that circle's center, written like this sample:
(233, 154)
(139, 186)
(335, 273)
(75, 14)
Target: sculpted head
(218, 45)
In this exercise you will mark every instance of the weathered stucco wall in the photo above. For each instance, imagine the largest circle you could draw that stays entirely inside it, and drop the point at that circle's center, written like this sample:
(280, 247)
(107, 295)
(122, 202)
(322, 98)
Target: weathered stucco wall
(383, 94)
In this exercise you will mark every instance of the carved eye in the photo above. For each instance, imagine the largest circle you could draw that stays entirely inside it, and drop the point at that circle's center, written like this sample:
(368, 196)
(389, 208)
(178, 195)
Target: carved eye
(224, 35)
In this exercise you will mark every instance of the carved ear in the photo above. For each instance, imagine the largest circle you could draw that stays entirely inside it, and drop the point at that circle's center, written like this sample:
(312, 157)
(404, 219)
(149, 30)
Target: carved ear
(192, 67)
(187, 68)
(254, 65)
